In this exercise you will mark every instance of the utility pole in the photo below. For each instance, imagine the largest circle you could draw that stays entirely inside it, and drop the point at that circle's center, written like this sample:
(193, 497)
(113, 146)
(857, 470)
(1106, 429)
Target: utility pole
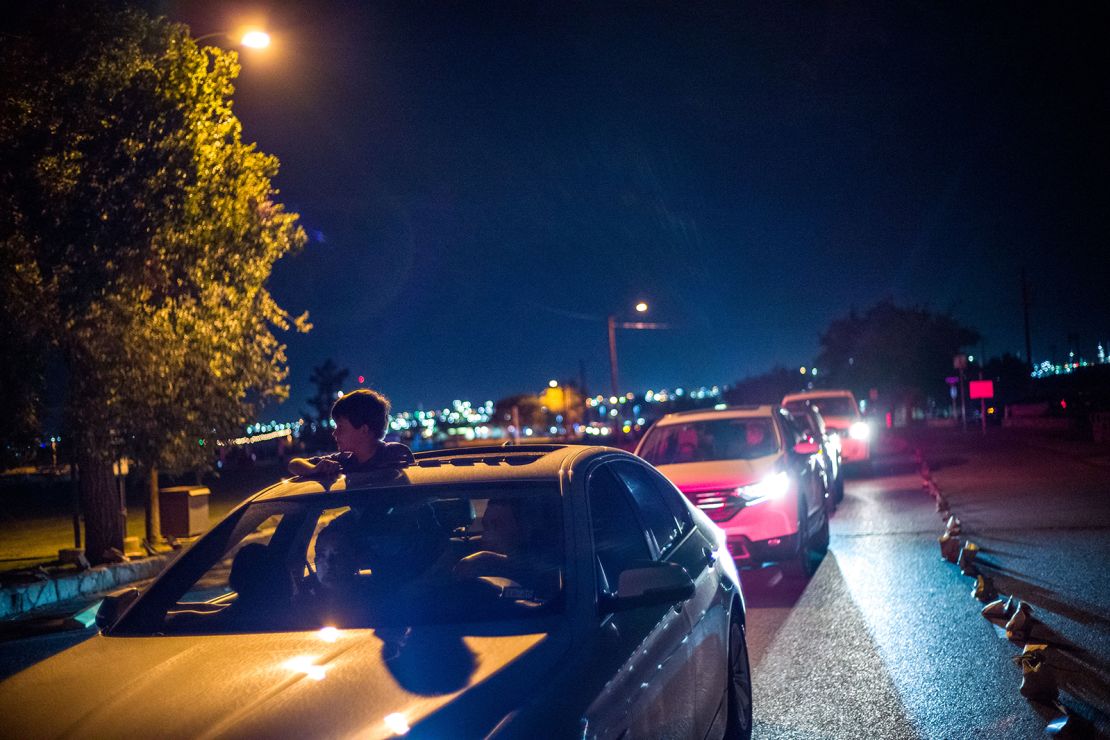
(1025, 311)
(641, 307)
(613, 351)
(582, 390)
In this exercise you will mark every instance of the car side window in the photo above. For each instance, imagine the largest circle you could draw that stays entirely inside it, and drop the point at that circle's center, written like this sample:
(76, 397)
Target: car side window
(619, 539)
(660, 517)
(791, 434)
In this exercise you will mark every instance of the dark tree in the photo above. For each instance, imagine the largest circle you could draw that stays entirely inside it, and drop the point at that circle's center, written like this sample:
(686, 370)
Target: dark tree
(769, 387)
(328, 379)
(137, 231)
(903, 353)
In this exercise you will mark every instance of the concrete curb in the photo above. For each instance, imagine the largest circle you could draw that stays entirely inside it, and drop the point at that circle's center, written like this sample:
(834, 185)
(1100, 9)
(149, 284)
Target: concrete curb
(18, 600)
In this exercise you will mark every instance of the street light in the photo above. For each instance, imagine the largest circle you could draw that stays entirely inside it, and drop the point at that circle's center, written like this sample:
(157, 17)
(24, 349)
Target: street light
(252, 38)
(641, 307)
(255, 39)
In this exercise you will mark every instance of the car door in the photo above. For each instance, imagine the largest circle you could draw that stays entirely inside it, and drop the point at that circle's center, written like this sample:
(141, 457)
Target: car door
(678, 540)
(651, 692)
(812, 486)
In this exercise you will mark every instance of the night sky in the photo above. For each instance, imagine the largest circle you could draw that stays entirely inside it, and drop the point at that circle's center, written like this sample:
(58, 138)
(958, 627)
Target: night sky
(484, 182)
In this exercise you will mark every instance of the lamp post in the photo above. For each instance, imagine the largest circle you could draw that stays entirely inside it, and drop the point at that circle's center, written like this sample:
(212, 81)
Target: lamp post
(613, 325)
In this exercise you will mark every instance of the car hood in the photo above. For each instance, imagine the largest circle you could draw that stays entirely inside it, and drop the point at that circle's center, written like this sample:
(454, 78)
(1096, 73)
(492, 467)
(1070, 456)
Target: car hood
(718, 474)
(370, 683)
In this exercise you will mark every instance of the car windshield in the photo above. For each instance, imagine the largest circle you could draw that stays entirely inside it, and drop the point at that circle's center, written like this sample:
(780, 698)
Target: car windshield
(715, 439)
(366, 559)
(834, 406)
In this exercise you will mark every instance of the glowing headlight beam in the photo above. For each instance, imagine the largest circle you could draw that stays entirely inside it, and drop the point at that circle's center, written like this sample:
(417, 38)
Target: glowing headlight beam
(773, 487)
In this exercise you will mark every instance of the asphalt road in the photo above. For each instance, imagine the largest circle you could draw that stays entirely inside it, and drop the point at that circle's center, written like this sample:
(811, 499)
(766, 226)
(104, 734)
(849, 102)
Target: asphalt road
(886, 641)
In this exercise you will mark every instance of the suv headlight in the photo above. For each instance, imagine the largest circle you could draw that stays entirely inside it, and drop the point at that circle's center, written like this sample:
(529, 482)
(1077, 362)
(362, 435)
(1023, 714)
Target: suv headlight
(773, 487)
(860, 430)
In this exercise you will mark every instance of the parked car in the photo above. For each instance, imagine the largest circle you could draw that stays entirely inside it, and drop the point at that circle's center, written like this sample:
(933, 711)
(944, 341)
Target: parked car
(529, 591)
(812, 424)
(751, 470)
(841, 414)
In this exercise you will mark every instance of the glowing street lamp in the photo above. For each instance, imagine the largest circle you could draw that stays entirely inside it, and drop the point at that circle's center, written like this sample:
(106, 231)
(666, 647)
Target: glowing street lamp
(641, 307)
(255, 39)
(252, 38)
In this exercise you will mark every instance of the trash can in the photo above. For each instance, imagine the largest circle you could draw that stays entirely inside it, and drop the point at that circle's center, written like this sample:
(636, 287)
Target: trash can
(184, 510)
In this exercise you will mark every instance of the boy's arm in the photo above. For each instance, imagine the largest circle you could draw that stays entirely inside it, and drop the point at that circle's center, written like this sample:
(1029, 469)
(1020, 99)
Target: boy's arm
(323, 466)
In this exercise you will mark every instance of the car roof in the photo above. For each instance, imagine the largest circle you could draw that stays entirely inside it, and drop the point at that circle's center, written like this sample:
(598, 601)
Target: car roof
(469, 465)
(817, 394)
(730, 412)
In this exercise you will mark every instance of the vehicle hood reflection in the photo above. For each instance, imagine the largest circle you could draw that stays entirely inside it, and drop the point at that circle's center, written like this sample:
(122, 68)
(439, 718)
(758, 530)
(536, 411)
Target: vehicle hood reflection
(426, 679)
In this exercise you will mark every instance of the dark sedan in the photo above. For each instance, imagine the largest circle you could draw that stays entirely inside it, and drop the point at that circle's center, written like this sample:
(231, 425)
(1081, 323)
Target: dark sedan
(531, 591)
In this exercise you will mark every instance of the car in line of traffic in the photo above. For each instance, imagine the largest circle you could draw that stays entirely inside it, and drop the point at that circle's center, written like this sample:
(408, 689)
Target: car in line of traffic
(754, 473)
(522, 591)
(841, 414)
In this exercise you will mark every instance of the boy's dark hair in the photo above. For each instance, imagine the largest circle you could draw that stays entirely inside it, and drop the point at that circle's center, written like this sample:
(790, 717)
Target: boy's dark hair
(363, 407)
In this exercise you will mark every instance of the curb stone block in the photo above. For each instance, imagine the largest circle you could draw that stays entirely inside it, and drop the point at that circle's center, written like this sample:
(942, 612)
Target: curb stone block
(67, 588)
(17, 600)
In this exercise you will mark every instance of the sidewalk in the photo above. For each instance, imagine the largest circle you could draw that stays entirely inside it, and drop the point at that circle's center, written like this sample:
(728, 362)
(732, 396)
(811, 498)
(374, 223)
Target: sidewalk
(36, 522)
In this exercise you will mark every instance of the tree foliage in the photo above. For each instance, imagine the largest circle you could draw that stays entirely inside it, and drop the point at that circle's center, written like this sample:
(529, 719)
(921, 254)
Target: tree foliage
(901, 352)
(138, 230)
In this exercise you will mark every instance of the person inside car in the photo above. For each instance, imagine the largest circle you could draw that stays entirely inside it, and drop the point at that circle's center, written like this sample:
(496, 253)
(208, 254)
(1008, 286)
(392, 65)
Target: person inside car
(360, 419)
(758, 440)
(514, 549)
(326, 595)
(263, 587)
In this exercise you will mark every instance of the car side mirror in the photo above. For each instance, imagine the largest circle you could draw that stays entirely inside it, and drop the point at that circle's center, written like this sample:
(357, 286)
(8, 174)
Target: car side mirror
(806, 448)
(650, 583)
(113, 607)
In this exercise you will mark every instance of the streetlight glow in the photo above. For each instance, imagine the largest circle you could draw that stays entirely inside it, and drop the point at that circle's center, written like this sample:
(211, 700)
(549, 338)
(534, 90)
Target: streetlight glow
(641, 307)
(255, 39)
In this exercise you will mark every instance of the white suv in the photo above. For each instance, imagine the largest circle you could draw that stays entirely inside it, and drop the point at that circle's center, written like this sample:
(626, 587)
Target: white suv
(751, 470)
(841, 414)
